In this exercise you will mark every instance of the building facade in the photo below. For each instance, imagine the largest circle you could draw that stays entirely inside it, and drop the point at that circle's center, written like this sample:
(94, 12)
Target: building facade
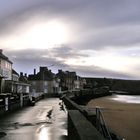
(43, 82)
(5, 70)
(69, 80)
(18, 85)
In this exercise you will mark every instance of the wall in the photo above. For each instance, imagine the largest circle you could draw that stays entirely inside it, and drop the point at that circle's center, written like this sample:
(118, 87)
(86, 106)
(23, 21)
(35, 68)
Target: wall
(79, 128)
(10, 103)
(77, 122)
(6, 69)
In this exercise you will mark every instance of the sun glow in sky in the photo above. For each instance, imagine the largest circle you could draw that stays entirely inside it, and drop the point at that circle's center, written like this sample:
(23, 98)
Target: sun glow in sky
(94, 38)
(41, 35)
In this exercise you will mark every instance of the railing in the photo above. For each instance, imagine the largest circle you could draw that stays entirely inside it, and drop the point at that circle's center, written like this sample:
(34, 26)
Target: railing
(101, 125)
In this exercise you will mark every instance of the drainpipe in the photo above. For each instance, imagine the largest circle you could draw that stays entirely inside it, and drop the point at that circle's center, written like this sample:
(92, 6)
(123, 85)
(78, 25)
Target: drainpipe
(21, 99)
(0, 84)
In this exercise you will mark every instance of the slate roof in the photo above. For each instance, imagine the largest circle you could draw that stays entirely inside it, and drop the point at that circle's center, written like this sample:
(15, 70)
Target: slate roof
(44, 74)
(66, 74)
(14, 72)
(5, 57)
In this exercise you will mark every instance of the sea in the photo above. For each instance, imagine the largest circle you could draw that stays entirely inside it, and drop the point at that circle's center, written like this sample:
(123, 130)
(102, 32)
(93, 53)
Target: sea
(127, 98)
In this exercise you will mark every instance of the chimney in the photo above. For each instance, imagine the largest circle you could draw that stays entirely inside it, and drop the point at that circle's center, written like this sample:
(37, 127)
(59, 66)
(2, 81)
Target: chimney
(21, 73)
(25, 75)
(34, 71)
(43, 69)
(59, 71)
(1, 51)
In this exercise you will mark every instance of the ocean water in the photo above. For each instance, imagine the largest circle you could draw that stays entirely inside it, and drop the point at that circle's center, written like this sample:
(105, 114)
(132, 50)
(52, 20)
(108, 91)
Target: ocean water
(127, 98)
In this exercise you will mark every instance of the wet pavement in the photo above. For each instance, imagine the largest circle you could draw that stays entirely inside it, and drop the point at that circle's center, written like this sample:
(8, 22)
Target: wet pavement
(47, 120)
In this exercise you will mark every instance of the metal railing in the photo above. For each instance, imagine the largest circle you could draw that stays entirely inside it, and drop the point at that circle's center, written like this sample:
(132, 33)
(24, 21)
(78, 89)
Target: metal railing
(101, 125)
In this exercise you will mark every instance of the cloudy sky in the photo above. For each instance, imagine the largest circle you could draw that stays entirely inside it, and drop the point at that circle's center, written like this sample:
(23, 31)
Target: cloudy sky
(98, 38)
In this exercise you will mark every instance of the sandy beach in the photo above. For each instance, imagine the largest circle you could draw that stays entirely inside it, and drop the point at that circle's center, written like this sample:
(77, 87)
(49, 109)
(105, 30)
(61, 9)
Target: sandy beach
(122, 118)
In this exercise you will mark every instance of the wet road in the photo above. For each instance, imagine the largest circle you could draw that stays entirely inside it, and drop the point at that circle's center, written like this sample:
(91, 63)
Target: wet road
(44, 121)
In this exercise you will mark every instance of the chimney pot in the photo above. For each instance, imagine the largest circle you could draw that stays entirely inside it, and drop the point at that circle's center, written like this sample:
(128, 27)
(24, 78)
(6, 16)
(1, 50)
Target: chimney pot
(25, 75)
(59, 71)
(34, 71)
(21, 73)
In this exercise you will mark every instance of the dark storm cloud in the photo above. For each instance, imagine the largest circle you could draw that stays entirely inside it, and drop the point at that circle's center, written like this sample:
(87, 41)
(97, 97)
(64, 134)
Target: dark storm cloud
(93, 13)
(62, 52)
(121, 36)
(29, 58)
(23, 60)
(32, 56)
(87, 71)
(66, 52)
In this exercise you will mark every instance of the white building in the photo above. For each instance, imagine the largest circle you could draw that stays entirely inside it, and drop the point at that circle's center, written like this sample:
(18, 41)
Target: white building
(43, 82)
(5, 69)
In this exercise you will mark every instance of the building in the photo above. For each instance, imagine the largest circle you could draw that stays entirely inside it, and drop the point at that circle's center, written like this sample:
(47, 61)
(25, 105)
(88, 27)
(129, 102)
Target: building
(43, 82)
(15, 75)
(18, 85)
(78, 83)
(69, 80)
(5, 70)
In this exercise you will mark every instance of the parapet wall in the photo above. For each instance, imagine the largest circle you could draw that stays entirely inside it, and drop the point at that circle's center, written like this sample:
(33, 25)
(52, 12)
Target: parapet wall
(79, 128)
(81, 121)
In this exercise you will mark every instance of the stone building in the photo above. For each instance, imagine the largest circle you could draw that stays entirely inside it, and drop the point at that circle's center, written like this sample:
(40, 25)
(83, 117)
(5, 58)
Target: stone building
(68, 80)
(5, 70)
(43, 82)
(18, 85)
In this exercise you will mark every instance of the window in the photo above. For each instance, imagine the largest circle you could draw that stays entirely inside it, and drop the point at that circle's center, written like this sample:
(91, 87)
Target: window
(45, 83)
(45, 90)
(34, 83)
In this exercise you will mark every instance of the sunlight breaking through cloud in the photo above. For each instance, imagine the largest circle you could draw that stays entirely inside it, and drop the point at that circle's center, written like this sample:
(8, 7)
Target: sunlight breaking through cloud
(73, 34)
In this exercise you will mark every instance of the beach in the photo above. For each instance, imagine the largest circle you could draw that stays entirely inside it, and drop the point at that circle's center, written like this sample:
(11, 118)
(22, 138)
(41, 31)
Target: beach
(121, 117)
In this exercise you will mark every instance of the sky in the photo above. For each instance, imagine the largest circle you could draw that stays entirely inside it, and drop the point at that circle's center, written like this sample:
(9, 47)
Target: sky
(95, 38)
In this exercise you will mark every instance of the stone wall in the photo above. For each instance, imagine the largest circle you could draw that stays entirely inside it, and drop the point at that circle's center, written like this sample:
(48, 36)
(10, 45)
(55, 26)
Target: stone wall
(79, 128)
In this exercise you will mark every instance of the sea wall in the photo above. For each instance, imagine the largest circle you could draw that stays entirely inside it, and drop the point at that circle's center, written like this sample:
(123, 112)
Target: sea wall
(80, 117)
(81, 129)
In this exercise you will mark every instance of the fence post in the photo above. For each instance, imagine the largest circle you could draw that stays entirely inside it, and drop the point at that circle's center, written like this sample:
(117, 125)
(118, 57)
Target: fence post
(6, 104)
(21, 99)
(97, 119)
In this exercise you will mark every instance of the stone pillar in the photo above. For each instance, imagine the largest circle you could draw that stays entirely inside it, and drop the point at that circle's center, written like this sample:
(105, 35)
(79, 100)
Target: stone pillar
(6, 104)
(21, 99)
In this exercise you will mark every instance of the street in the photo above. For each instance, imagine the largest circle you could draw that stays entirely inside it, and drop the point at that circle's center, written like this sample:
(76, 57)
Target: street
(45, 121)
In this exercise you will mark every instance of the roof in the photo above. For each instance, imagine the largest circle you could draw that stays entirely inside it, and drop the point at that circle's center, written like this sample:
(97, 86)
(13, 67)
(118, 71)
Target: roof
(23, 79)
(46, 75)
(66, 74)
(14, 72)
(5, 57)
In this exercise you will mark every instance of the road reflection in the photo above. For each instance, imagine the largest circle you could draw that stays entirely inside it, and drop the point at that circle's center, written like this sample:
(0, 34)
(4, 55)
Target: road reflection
(44, 133)
(45, 121)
